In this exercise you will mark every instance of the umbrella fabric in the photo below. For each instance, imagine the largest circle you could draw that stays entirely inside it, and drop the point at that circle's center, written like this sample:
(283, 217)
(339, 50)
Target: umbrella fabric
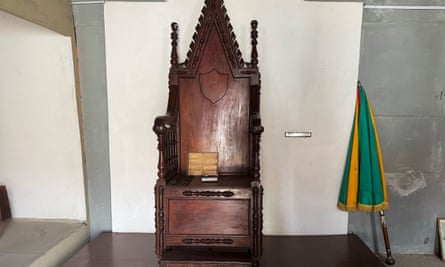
(363, 186)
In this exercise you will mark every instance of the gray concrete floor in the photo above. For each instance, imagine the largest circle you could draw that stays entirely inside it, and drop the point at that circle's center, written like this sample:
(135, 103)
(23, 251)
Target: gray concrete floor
(417, 260)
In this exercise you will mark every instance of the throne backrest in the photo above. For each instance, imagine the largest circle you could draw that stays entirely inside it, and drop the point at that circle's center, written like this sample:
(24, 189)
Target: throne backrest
(214, 93)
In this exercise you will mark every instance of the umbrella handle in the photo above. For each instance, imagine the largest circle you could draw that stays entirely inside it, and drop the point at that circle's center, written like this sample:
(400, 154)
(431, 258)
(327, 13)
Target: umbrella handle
(389, 259)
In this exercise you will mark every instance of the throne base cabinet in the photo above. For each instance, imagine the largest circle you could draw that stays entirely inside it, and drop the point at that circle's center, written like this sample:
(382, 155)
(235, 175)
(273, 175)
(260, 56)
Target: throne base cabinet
(222, 217)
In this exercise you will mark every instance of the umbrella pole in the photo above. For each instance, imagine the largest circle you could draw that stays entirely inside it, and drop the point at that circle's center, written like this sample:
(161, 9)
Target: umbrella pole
(389, 259)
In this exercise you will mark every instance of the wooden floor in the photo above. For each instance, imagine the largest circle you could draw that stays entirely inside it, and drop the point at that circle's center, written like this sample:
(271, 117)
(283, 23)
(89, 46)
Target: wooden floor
(134, 250)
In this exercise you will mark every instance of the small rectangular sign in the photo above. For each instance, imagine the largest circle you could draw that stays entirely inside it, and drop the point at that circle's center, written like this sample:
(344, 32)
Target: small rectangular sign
(298, 134)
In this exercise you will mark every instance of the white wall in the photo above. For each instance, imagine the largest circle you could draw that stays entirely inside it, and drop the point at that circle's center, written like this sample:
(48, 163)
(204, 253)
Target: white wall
(40, 154)
(309, 62)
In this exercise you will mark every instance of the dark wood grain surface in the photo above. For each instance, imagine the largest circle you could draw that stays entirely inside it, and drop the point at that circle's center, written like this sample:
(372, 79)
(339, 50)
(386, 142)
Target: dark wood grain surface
(134, 250)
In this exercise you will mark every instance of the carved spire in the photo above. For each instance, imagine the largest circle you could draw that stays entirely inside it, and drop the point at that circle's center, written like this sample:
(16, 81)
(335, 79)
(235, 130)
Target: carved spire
(174, 37)
(214, 14)
(238, 55)
(254, 36)
(213, 3)
(198, 29)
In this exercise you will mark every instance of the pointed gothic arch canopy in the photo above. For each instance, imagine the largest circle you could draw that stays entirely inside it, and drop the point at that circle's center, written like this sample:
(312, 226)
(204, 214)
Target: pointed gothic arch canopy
(214, 18)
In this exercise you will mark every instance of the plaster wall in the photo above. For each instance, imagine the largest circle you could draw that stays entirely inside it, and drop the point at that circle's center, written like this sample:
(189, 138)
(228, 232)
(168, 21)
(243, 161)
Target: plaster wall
(402, 64)
(309, 54)
(89, 21)
(40, 156)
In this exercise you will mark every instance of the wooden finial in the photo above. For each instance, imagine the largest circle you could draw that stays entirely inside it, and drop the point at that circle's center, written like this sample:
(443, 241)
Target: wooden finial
(174, 37)
(254, 36)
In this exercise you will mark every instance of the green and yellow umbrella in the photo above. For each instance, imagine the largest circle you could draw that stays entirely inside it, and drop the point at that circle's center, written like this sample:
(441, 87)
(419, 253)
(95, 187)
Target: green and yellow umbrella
(364, 187)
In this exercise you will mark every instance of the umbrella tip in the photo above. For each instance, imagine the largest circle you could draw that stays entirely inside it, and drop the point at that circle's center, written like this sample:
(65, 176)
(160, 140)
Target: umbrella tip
(359, 83)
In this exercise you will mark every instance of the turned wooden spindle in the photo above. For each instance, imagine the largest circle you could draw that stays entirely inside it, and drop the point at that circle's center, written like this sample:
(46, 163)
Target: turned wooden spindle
(254, 36)
(174, 38)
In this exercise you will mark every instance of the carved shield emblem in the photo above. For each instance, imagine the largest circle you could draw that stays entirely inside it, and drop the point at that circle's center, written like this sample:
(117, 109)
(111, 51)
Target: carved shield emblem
(213, 85)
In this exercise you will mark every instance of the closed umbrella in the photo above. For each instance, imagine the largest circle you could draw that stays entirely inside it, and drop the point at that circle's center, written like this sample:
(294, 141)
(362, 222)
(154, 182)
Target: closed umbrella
(363, 187)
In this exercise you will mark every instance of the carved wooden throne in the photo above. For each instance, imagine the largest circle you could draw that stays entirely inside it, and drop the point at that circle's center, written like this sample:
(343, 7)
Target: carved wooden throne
(213, 106)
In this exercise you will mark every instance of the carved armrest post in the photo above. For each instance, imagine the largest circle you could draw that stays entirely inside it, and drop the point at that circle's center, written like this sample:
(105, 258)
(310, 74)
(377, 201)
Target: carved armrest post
(159, 217)
(165, 129)
(257, 221)
(256, 129)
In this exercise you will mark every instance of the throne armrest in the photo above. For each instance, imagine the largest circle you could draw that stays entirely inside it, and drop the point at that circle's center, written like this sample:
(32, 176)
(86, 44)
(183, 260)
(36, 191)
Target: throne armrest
(256, 129)
(163, 124)
(165, 129)
(255, 126)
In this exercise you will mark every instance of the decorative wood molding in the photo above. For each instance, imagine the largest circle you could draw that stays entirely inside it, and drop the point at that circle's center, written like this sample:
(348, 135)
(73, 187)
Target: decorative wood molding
(213, 85)
(207, 241)
(208, 193)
